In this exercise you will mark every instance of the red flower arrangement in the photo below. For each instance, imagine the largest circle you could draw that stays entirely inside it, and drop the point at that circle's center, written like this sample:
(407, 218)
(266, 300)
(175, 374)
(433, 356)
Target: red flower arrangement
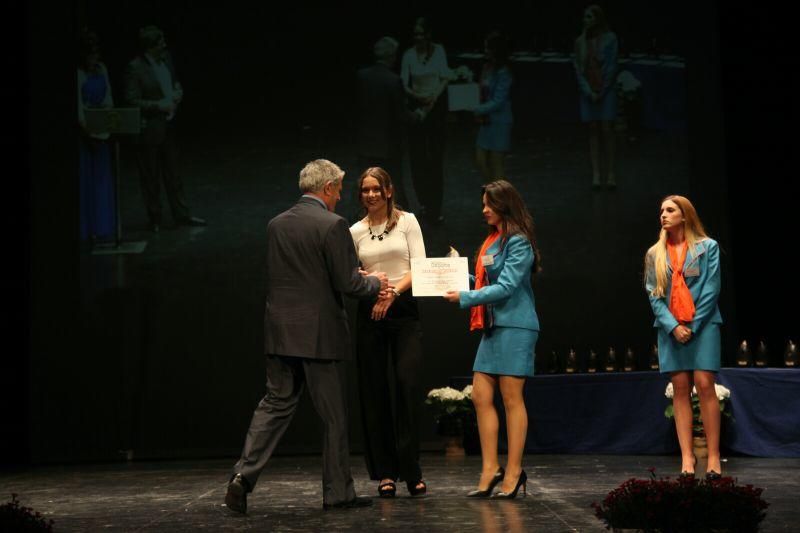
(16, 517)
(682, 504)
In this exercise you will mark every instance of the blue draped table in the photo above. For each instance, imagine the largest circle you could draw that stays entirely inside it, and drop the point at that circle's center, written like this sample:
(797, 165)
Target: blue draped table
(623, 413)
(545, 89)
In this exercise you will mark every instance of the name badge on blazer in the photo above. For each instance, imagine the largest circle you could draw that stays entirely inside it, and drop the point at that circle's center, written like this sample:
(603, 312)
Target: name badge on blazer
(487, 260)
(692, 272)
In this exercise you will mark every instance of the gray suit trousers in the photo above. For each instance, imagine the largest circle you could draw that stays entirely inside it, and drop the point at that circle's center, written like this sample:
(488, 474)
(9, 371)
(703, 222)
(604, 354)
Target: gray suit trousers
(286, 377)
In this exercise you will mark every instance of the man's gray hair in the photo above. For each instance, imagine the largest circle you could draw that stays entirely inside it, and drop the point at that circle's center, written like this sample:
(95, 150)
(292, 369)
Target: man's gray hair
(317, 173)
(149, 37)
(385, 48)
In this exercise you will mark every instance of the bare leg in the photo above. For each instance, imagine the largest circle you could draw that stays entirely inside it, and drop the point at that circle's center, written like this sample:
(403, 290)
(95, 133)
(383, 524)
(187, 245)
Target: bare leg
(610, 142)
(481, 158)
(709, 412)
(517, 425)
(483, 387)
(682, 406)
(497, 165)
(594, 151)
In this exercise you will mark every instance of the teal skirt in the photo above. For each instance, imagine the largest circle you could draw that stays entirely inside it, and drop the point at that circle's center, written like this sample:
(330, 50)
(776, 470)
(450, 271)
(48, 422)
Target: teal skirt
(702, 352)
(507, 352)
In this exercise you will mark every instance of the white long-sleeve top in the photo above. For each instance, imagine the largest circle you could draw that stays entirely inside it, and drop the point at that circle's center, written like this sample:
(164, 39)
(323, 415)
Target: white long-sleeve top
(392, 254)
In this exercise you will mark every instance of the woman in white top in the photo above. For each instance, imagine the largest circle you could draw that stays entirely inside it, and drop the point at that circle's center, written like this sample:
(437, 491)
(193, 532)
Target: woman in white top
(388, 333)
(425, 75)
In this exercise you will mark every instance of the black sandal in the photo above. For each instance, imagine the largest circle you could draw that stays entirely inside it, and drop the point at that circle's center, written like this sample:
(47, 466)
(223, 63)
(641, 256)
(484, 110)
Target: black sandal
(387, 489)
(413, 490)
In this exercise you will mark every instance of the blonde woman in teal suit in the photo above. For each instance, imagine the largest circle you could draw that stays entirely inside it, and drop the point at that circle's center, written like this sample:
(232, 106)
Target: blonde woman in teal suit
(682, 279)
(503, 306)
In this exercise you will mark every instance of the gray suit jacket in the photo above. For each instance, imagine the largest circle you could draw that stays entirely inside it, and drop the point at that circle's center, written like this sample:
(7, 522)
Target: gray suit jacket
(382, 112)
(311, 263)
(142, 90)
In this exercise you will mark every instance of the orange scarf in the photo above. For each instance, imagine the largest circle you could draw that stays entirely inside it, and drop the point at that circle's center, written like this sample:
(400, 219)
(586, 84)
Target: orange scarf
(681, 304)
(481, 279)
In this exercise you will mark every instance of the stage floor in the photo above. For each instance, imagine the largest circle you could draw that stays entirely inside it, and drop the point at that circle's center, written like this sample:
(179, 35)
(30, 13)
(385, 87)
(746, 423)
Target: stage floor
(188, 495)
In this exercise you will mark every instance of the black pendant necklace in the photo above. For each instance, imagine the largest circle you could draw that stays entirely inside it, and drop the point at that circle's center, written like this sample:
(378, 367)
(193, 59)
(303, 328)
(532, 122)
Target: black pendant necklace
(378, 236)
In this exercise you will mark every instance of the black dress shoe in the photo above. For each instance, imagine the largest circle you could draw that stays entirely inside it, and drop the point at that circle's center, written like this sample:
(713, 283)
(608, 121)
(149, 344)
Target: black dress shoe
(414, 490)
(192, 221)
(358, 501)
(236, 498)
(387, 490)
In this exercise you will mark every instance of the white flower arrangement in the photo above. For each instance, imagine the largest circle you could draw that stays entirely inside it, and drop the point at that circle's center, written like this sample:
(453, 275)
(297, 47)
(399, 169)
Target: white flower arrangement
(446, 394)
(461, 73)
(450, 402)
(723, 393)
(467, 392)
(628, 82)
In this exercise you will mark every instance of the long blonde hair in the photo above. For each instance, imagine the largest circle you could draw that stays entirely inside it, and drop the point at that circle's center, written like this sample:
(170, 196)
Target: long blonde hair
(655, 261)
(581, 43)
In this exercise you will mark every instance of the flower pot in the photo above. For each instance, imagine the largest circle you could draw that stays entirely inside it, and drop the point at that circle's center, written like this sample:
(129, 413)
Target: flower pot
(450, 426)
(453, 447)
(700, 447)
(472, 439)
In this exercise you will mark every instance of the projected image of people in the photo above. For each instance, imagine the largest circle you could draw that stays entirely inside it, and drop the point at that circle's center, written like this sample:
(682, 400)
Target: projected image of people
(382, 115)
(596, 51)
(97, 212)
(152, 85)
(425, 76)
(494, 113)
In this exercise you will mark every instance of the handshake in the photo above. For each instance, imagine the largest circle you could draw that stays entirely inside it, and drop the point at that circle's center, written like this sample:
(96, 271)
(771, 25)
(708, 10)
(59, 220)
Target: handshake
(385, 287)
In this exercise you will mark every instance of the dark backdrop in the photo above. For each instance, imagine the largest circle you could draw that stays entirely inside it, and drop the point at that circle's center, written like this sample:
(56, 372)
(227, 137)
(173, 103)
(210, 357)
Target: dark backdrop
(64, 391)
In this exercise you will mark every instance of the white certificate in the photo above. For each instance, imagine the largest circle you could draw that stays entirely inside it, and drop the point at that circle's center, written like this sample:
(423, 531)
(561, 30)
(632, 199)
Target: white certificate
(463, 96)
(434, 276)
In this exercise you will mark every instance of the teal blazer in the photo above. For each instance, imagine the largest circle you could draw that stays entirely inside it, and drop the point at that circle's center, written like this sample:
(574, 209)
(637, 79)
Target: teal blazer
(701, 271)
(509, 290)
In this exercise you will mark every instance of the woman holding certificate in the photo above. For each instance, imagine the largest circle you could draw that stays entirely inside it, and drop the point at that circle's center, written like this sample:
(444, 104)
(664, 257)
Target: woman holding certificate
(503, 307)
(389, 332)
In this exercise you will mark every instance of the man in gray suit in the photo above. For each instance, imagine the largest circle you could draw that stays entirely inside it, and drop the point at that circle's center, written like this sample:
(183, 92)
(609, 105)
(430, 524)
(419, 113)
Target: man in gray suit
(311, 263)
(152, 85)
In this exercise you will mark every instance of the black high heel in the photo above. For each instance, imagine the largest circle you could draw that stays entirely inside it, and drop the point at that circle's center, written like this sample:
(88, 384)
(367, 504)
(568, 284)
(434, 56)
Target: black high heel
(387, 489)
(521, 482)
(686, 474)
(498, 477)
(711, 475)
(413, 490)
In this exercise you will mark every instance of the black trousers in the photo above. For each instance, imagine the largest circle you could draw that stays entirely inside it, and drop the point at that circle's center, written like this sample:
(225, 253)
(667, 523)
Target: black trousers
(426, 144)
(158, 162)
(391, 437)
(286, 377)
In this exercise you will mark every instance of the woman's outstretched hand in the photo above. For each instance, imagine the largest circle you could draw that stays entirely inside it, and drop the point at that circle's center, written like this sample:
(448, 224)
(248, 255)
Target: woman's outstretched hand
(452, 296)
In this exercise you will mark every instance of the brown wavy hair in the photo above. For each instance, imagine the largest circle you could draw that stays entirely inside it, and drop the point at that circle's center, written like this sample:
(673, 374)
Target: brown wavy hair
(393, 211)
(506, 201)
